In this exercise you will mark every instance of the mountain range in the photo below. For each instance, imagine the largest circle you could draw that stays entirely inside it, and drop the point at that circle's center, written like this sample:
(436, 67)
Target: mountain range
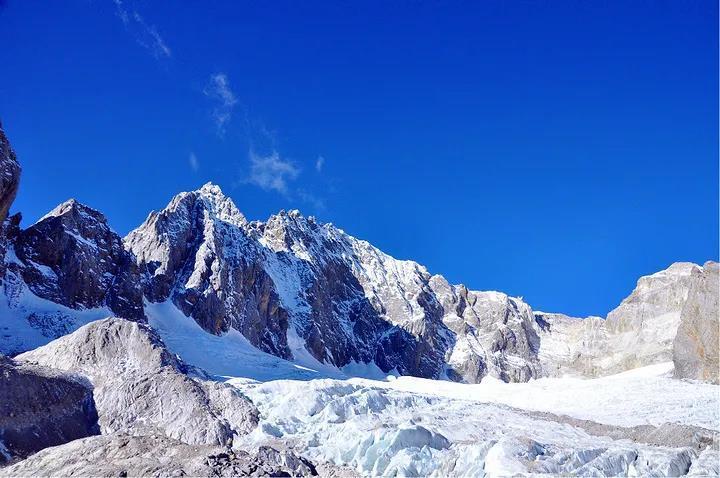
(293, 288)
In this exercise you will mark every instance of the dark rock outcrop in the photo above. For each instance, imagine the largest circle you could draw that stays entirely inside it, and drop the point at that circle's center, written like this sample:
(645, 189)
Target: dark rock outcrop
(41, 407)
(9, 175)
(9, 183)
(72, 257)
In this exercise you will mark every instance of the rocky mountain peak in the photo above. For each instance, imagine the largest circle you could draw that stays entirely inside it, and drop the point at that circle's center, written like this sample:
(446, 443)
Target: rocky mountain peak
(655, 295)
(219, 205)
(290, 231)
(211, 189)
(63, 208)
(192, 209)
(77, 217)
(294, 285)
(193, 226)
(676, 271)
(71, 256)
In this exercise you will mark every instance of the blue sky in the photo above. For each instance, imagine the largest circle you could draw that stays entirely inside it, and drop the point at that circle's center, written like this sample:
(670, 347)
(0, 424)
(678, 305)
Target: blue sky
(552, 150)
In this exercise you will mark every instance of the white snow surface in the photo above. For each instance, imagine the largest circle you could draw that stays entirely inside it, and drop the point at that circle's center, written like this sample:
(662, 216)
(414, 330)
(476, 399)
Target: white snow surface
(228, 355)
(643, 396)
(406, 426)
(417, 427)
(19, 306)
(231, 355)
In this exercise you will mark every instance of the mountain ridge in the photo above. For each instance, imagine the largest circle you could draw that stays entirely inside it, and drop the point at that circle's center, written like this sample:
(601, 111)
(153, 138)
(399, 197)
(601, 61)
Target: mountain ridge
(438, 318)
(227, 323)
(294, 286)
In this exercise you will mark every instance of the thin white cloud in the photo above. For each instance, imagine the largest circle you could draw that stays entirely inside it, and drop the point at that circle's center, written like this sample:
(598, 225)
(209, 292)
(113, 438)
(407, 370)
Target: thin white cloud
(145, 34)
(193, 161)
(271, 172)
(309, 198)
(218, 89)
(319, 163)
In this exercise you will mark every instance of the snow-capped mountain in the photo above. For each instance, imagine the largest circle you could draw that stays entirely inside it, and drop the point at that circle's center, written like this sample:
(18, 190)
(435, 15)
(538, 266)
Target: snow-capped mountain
(225, 323)
(63, 271)
(308, 292)
(293, 284)
(295, 287)
(73, 258)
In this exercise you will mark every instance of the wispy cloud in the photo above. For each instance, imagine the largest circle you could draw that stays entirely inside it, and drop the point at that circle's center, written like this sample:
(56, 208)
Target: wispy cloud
(145, 34)
(193, 161)
(311, 199)
(218, 89)
(271, 172)
(319, 163)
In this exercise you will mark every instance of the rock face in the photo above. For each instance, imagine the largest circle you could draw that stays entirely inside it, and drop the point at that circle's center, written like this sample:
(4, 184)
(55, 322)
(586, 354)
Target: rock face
(72, 257)
(41, 407)
(156, 456)
(644, 329)
(68, 268)
(197, 255)
(292, 283)
(9, 183)
(696, 352)
(9, 175)
(141, 389)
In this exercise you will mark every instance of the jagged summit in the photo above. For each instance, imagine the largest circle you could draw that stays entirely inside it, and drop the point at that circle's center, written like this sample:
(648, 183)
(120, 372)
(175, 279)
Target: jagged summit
(295, 287)
(77, 209)
(61, 208)
(72, 257)
(210, 188)
(339, 299)
(209, 198)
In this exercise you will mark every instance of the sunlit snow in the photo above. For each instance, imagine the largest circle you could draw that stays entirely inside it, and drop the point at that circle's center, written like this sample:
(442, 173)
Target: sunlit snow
(407, 426)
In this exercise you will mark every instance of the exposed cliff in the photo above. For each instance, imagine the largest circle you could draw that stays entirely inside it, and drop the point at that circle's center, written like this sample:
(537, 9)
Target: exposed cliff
(9, 175)
(41, 407)
(696, 353)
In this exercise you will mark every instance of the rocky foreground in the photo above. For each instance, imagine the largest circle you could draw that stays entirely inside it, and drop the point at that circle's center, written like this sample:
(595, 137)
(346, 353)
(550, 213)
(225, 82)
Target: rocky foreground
(119, 380)
(205, 344)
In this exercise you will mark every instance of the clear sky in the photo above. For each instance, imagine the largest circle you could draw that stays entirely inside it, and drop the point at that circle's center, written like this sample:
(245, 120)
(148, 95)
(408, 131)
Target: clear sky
(555, 150)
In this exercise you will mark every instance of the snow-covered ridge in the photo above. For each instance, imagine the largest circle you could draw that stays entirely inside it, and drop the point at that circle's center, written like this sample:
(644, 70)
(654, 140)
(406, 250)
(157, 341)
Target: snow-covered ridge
(351, 303)
(300, 289)
(348, 301)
